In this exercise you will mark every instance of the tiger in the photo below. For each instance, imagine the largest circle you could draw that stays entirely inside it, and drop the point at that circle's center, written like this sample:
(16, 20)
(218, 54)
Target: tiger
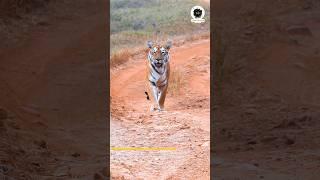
(157, 73)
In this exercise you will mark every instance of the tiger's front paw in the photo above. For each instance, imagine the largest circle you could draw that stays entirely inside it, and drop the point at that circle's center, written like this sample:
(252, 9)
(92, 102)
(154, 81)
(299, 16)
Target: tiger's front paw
(161, 109)
(152, 108)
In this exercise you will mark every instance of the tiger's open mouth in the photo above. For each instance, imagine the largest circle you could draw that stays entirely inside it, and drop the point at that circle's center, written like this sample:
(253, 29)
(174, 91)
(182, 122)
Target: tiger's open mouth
(158, 64)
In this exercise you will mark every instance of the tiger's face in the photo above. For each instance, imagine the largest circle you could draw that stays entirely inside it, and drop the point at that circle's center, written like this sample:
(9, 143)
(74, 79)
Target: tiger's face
(159, 55)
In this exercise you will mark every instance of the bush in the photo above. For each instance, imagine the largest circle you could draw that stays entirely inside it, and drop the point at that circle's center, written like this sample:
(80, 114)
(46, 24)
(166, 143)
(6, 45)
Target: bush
(137, 25)
(119, 58)
(175, 82)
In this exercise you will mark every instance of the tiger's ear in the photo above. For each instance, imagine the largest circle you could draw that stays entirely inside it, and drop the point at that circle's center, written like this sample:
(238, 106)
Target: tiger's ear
(168, 45)
(149, 44)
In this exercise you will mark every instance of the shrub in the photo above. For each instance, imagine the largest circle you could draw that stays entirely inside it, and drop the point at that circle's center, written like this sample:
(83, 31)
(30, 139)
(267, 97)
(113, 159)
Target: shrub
(119, 58)
(175, 81)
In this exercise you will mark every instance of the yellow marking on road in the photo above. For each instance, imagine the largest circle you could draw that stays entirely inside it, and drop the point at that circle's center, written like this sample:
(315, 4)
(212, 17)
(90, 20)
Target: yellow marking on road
(143, 148)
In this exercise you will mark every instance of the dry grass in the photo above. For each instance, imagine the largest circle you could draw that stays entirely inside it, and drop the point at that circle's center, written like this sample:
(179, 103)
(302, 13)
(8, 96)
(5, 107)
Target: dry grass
(123, 55)
(175, 82)
(120, 57)
(205, 35)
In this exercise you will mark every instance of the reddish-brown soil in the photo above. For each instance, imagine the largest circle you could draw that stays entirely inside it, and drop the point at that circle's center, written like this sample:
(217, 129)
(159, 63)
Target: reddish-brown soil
(185, 124)
(266, 122)
(53, 86)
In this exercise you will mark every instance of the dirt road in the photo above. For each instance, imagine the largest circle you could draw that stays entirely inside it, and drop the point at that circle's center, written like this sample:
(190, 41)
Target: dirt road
(184, 125)
(54, 84)
(267, 111)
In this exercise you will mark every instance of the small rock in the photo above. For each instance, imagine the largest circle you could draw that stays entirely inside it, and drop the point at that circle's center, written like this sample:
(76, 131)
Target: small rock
(42, 144)
(35, 164)
(299, 30)
(252, 142)
(185, 126)
(75, 155)
(43, 23)
(251, 111)
(289, 141)
(223, 131)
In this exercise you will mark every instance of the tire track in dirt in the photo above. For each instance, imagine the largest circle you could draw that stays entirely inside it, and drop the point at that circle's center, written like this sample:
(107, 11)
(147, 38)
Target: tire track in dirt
(184, 125)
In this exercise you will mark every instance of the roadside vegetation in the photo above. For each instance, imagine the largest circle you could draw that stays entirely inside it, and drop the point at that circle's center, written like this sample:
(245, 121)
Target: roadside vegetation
(175, 82)
(133, 22)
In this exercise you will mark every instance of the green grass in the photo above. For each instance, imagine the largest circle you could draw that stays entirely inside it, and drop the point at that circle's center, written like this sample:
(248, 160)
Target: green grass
(133, 22)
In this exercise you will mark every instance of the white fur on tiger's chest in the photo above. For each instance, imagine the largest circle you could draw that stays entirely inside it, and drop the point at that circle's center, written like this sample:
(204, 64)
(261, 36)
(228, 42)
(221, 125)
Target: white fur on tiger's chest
(159, 78)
